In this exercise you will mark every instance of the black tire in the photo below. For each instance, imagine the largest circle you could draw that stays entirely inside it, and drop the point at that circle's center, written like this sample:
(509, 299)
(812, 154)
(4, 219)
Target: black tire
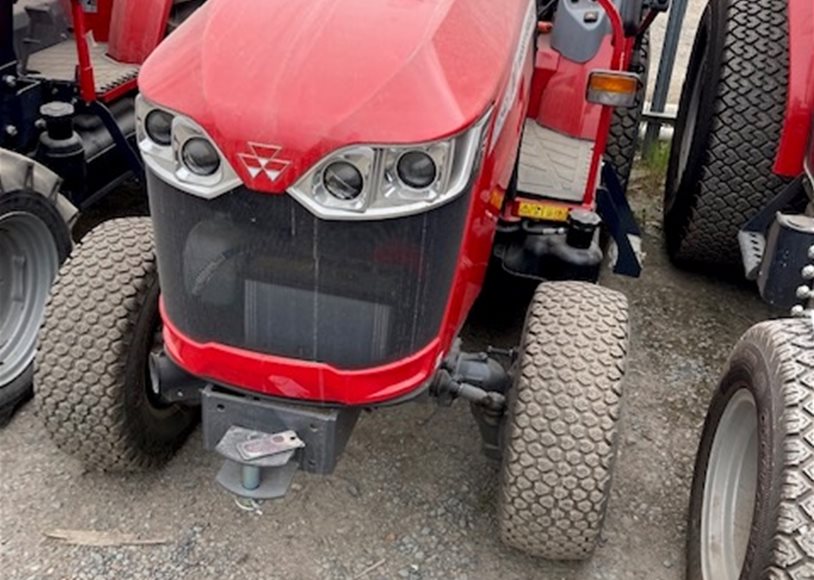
(774, 363)
(91, 383)
(561, 429)
(16, 389)
(729, 124)
(624, 130)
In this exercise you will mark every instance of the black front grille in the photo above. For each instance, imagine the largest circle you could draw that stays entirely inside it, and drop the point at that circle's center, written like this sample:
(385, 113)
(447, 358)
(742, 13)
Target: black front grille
(258, 271)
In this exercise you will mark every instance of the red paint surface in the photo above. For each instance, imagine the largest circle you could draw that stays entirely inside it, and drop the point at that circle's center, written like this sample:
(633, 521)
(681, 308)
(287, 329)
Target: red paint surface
(560, 87)
(119, 91)
(136, 28)
(800, 98)
(313, 77)
(297, 379)
(620, 53)
(133, 27)
(447, 63)
(97, 22)
(87, 85)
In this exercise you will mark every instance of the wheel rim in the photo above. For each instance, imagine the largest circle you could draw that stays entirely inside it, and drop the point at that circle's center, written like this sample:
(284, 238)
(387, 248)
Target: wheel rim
(688, 135)
(29, 261)
(730, 489)
(690, 111)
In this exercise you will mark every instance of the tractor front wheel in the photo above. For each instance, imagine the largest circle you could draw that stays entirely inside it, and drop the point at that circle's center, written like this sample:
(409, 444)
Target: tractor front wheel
(751, 509)
(561, 429)
(92, 383)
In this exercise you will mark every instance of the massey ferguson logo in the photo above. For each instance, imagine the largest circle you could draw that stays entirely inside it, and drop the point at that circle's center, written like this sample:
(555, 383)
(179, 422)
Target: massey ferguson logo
(263, 158)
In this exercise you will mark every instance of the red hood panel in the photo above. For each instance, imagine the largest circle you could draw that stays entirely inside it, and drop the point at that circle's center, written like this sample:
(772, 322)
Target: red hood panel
(311, 76)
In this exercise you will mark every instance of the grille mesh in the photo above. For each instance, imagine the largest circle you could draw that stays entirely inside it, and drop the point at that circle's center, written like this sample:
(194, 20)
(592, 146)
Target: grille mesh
(260, 272)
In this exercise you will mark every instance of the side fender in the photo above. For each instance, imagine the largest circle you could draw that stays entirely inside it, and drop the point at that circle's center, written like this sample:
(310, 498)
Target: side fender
(136, 28)
(21, 172)
(800, 100)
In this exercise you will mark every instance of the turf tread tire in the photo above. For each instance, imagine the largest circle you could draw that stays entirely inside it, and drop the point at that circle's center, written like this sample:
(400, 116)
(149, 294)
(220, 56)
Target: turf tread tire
(728, 177)
(100, 321)
(561, 434)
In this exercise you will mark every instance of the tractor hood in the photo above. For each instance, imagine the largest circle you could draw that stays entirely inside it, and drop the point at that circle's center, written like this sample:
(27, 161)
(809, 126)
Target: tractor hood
(311, 76)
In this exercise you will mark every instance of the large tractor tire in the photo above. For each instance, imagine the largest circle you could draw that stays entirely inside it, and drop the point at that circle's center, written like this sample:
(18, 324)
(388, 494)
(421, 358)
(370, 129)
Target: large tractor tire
(752, 504)
(34, 240)
(92, 383)
(729, 123)
(624, 130)
(561, 431)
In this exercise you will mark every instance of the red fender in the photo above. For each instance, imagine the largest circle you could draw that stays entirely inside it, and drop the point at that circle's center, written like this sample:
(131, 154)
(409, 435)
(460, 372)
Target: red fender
(800, 100)
(136, 28)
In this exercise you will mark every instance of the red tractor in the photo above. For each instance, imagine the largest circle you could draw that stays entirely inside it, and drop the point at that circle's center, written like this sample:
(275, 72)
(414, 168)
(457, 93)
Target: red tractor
(739, 189)
(67, 140)
(328, 182)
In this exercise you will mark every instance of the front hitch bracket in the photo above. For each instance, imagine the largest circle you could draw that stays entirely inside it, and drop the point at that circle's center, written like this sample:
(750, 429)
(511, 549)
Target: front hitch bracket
(258, 465)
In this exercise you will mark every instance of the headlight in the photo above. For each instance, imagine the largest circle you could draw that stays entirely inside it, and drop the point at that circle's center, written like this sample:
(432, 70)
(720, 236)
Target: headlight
(200, 156)
(416, 169)
(180, 152)
(343, 181)
(158, 126)
(377, 182)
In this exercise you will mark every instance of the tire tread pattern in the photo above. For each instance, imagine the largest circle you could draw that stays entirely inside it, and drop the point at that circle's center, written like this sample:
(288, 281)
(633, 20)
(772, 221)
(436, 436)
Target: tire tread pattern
(564, 409)
(81, 365)
(790, 343)
(736, 178)
(624, 130)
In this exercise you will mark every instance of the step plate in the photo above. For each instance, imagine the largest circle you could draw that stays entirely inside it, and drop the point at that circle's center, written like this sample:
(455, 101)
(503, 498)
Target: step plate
(553, 165)
(753, 245)
(59, 62)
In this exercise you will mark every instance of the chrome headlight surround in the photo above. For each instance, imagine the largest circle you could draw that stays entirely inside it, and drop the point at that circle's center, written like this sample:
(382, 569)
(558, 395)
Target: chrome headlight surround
(384, 195)
(166, 161)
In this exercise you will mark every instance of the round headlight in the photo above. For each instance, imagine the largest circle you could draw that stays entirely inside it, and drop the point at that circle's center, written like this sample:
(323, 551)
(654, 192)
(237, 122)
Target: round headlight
(417, 169)
(158, 126)
(343, 180)
(200, 157)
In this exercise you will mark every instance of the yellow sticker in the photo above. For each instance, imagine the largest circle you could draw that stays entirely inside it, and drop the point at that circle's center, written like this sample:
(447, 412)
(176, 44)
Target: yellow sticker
(496, 198)
(543, 211)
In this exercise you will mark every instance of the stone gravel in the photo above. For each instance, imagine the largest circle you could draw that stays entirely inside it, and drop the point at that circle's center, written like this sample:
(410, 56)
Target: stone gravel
(412, 496)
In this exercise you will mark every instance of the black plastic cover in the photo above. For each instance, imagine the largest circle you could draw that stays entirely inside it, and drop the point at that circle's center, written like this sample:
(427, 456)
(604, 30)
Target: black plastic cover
(259, 271)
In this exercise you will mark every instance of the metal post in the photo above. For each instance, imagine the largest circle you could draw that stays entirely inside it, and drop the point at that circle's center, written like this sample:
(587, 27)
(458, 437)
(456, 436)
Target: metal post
(665, 73)
(251, 476)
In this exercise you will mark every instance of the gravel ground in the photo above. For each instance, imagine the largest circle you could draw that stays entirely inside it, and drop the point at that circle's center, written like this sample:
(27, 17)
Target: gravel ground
(412, 497)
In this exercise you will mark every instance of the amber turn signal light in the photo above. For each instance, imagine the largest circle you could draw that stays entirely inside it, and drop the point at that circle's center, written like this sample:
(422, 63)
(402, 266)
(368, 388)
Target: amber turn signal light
(613, 88)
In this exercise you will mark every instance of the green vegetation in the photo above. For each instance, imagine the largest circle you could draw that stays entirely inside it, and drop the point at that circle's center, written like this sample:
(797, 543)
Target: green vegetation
(656, 160)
